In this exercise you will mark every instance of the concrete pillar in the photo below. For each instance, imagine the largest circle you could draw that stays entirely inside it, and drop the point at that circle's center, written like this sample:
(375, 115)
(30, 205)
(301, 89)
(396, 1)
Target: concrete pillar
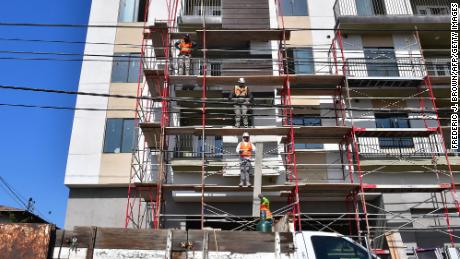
(257, 179)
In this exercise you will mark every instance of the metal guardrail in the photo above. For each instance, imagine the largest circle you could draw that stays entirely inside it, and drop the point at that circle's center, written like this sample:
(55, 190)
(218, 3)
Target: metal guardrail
(438, 66)
(399, 147)
(210, 8)
(399, 67)
(391, 7)
(188, 146)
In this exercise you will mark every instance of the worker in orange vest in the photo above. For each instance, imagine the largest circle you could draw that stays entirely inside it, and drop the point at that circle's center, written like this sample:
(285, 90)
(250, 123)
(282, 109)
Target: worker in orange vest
(245, 149)
(185, 47)
(243, 97)
(265, 213)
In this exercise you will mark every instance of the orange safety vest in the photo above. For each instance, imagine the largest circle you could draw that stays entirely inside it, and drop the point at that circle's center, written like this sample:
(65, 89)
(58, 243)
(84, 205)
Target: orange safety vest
(268, 213)
(185, 48)
(241, 91)
(246, 147)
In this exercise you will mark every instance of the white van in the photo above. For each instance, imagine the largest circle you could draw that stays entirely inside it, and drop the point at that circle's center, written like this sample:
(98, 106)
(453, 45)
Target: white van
(324, 245)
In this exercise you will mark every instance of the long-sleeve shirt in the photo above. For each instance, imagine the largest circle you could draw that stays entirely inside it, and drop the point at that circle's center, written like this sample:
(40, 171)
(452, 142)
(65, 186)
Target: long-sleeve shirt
(238, 149)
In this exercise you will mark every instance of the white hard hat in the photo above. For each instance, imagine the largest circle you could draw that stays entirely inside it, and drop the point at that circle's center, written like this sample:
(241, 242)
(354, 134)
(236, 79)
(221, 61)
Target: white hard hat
(245, 134)
(241, 80)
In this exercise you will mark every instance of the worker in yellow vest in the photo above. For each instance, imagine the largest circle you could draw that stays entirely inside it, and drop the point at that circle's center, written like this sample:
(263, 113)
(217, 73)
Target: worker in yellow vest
(185, 47)
(245, 149)
(243, 97)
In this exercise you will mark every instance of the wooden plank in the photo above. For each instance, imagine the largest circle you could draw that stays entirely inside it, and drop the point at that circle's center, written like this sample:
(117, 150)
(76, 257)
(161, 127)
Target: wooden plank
(396, 245)
(257, 180)
(242, 242)
(64, 238)
(118, 238)
(179, 241)
(440, 80)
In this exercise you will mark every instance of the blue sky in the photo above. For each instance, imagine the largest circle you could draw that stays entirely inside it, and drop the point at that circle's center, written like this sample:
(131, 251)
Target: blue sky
(34, 142)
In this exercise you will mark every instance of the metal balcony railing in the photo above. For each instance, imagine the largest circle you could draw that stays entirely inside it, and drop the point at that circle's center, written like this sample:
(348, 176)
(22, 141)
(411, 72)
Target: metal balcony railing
(391, 7)
(398, 67)
(438, 66)
(188, 146)
(223, 67)
(399, 147)
(209, 8)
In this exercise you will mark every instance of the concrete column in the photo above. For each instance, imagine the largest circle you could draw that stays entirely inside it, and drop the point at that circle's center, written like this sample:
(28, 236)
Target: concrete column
(257, 179)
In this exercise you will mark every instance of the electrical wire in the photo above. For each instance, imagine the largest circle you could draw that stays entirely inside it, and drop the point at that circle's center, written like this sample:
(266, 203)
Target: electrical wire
(177, 99)
(116, 26)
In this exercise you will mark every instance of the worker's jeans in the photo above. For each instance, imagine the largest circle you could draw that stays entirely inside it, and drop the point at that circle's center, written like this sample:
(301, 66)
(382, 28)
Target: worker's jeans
(184, 64)
(245, 167)
(241, 110)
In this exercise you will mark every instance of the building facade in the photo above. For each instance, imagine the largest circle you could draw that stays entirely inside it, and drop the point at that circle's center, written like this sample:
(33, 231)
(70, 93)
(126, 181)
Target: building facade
(348, 116)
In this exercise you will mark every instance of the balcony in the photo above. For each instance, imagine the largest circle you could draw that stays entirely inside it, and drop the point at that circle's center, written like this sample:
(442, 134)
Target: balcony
(391, 12)
(199, 11)
(438, 67)
(398, 72)
(394, 148)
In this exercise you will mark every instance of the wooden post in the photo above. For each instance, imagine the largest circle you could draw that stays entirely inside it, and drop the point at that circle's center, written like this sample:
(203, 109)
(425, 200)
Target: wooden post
(257, 179)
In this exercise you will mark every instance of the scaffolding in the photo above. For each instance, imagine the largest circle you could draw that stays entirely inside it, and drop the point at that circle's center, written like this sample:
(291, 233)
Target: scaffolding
(161, 134)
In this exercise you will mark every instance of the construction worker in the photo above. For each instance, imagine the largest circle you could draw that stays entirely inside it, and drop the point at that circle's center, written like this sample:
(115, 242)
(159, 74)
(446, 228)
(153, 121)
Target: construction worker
(185, 47)
(265, 213)
(245, 148)
(242, 97)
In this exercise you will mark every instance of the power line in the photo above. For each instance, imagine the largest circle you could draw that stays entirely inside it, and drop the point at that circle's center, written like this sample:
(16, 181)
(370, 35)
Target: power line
(19, 199)
(177, 99)
(62, 107)
(17, 196)
(115, 26)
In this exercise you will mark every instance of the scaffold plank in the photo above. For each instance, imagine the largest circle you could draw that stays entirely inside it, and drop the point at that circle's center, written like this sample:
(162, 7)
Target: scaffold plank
(394, 132)
(303, 187)
(319, 134)
(322, 83)
(440, 80)
(403, 188)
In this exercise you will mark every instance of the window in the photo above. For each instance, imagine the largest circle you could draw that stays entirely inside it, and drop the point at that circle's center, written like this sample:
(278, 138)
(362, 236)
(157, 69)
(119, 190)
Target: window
(119, 136)
(125, 68)
(381, 62)
(307, 121)
(337, 248)
(433, 10)
(300, 61)
(131, 11)
(394, 121)
(294, 8)
(308, 146)
(370, 7)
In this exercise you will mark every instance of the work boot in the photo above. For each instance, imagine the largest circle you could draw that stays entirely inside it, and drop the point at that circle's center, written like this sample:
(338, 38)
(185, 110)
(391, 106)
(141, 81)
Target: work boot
(241, 184)
(248, 184)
